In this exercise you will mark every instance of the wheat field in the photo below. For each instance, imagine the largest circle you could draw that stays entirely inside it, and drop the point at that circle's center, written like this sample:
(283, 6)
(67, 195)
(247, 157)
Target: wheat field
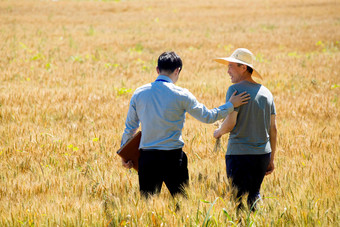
(68, 70)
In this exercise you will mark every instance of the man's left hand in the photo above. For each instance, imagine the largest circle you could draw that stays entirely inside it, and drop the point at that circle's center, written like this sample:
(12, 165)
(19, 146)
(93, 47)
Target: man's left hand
(270, 168)
(127, 164)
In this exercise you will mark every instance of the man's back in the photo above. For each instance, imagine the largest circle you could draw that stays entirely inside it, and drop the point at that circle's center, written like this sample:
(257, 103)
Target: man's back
(251, 132)
(161, 111)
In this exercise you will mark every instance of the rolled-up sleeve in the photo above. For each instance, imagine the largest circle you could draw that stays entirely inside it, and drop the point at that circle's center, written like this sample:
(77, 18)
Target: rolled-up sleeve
(131, 123)
(202, 113)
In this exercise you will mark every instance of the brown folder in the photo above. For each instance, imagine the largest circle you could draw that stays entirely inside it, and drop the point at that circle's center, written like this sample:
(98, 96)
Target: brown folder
(130, 150)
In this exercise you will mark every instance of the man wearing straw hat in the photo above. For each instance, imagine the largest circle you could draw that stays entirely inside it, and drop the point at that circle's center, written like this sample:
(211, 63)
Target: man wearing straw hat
(252, 128)
(160, 107)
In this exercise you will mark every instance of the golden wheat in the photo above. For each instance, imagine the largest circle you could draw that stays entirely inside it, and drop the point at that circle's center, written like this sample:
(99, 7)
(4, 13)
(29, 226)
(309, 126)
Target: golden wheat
(68, 69)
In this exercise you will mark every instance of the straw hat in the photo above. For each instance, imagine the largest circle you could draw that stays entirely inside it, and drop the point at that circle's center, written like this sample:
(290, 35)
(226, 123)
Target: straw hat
(242, 56)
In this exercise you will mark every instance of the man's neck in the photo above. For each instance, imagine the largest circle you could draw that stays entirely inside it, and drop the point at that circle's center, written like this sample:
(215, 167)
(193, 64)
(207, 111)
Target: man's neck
(249, 79)
(172, 76)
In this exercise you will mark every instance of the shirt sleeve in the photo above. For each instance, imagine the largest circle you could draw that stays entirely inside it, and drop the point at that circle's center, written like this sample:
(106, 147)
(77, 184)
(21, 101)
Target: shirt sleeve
(202, 113)
(230, 92)
(273, 109)
(131, 123)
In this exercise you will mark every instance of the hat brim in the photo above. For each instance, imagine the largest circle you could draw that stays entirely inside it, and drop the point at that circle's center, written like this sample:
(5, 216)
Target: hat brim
(225, 61)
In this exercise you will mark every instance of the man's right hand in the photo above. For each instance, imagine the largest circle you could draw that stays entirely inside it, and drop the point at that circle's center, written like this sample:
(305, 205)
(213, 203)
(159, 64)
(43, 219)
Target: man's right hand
(240, 99)
(127, 164)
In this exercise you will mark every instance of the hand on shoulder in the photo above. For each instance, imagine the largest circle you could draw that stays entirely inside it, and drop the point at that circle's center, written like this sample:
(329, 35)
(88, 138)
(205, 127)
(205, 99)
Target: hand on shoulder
(240, 99)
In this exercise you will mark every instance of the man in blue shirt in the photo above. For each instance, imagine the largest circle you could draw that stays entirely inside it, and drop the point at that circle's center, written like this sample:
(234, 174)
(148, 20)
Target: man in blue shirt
(252, 127)
(160, 107)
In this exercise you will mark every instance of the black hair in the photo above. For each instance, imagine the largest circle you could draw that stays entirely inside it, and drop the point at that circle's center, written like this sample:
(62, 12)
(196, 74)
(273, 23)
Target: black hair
(169, 61)
(249, 69)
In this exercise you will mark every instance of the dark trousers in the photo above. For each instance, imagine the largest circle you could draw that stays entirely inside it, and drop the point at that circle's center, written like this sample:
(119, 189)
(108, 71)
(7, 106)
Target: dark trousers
(158, 166)
(246, 173)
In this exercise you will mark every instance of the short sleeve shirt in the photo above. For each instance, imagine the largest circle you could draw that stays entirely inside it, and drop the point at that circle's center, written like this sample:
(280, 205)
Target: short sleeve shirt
(251, 132)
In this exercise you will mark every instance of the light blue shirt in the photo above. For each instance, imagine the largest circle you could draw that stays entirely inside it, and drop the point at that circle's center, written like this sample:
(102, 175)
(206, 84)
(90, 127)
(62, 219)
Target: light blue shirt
(160, 107)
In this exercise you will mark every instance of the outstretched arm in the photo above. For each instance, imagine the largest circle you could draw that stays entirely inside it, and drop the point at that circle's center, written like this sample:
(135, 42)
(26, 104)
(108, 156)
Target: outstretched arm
(203, 114)
(227, 125)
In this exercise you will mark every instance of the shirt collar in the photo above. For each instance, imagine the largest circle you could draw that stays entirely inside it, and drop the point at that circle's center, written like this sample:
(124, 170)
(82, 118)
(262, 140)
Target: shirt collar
(163, 77)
